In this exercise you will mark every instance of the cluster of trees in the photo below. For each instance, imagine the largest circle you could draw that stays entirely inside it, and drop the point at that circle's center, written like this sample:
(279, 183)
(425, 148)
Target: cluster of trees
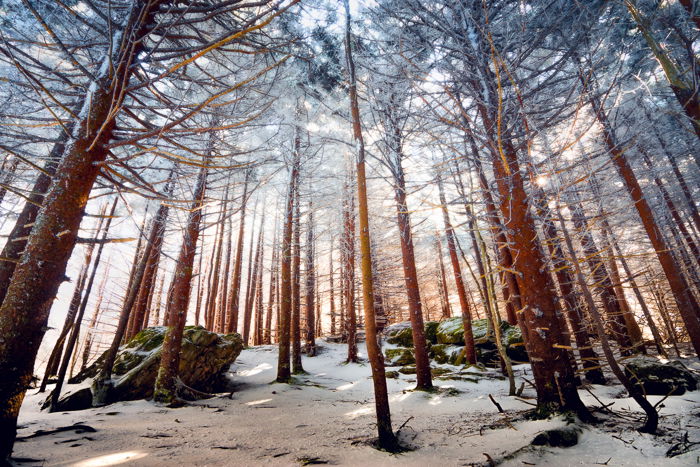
(320, 171)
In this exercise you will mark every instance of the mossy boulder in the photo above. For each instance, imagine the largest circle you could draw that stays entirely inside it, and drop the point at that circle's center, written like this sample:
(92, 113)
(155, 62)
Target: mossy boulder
(431, 331)
(204, 358)
(658, 378)
(438, 352)
(391, 374)
(408, 370)
(399, 357)
(450, 331)
(439, 371)
(400, 334)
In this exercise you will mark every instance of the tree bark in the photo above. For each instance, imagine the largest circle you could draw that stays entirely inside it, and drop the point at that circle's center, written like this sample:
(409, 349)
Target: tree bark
(165, 390)
(469, 350)
(310, 330)
(387, 440)
(25, 308)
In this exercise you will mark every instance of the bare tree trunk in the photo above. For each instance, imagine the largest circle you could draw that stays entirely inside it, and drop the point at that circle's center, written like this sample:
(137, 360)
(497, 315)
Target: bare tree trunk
(331, 289)
(223, 296)
(446, 309)
(152, 260)
(348, 264)
(685, 90)
(310, 330)
(687, 304)
(75, 331)
(35, 281)
(233, 305)
(285, 294)
(267, 335)
(165, 390)
(102, 385)
(603, 285)
(89, 337)
(214, 309)
(254, 283)
(17, 238)
(572, 305)
(297, 366)
(633, 389)
(259, 309)
(469, 350)
(250, 277)
(415, 306)
(686, 235)
(387, 440)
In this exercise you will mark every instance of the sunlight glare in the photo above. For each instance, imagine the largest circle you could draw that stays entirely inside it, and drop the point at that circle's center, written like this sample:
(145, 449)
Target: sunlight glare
(112, 459)
(260, 401)
(254, 371)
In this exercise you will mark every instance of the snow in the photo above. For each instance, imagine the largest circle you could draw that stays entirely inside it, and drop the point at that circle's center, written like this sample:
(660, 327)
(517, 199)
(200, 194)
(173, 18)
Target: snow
(329, 412)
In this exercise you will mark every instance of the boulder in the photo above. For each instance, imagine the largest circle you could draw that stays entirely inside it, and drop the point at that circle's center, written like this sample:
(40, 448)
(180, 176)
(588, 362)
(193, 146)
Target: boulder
(431, 331)
(80, 399)
(564, 437)
(204, 359)
(438, 352)
(399, 357)
(450, 331)
(658, 378)
(400, 334)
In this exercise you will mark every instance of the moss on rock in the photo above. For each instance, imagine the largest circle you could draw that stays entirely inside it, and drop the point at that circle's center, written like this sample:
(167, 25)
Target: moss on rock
(400, 334)
(658, 378)
(399, 356)
(431, 331)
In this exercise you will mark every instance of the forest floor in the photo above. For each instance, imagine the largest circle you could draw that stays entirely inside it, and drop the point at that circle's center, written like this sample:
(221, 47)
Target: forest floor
(327, 415)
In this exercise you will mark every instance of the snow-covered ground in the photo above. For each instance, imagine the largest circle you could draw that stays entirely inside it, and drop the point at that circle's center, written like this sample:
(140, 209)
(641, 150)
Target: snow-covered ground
(329, 414)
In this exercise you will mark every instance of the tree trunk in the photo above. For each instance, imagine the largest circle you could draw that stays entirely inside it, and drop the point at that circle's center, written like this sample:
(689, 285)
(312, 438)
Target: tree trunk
(348, 264)
(102, 385)
(331, 289)
(75, 332)
(469, 350)
(285, 295)
(387, 440)
(250, 278)
(310, 330)
(633, 389)
(297, 366)
(687, 304)
(25, 308)
(233, 305)
(165, 390)
(415, 306)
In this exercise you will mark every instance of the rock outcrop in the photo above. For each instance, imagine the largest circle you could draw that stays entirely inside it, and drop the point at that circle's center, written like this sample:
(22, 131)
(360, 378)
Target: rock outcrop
(204, 359)
(658, 378)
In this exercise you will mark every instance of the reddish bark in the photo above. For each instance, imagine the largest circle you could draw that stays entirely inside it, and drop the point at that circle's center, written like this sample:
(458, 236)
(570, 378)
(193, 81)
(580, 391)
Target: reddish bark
(233, 305)
(469, 350)
(24, 311)
(687, 304)
(310, 289)
(297, 366)
(165, 390)
(387, 439)
(415, 306)
(285, 294)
